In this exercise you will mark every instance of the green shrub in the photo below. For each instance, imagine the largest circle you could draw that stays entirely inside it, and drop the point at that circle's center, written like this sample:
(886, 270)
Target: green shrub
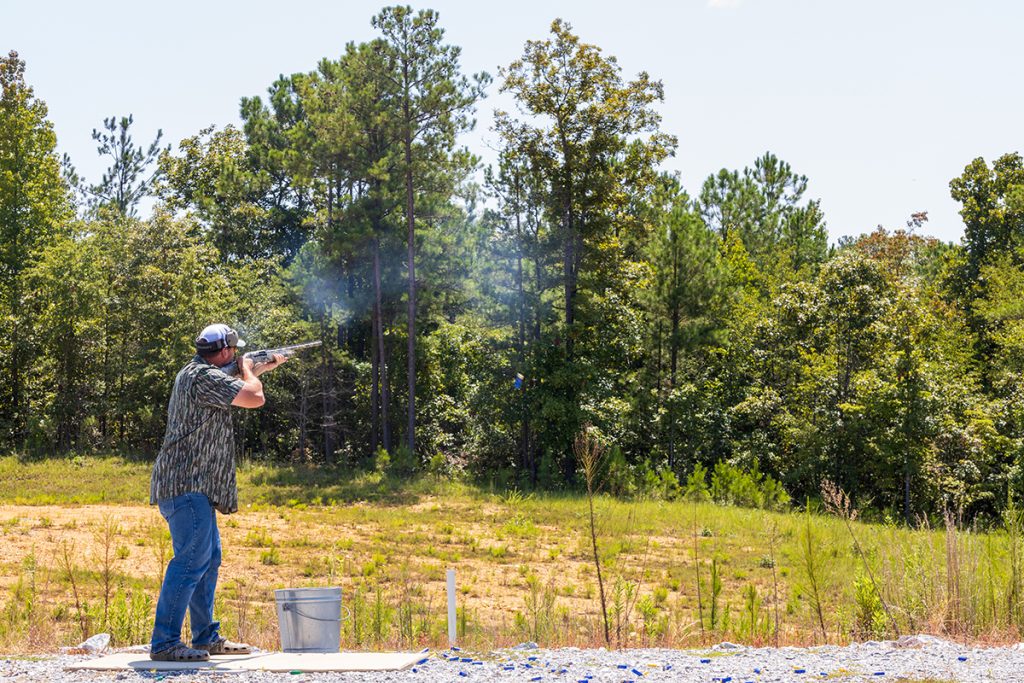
(131, 620)
(869, 617)
(730, 485)
(618, 475)
(403, 463)
(640, 480)
(697, 484)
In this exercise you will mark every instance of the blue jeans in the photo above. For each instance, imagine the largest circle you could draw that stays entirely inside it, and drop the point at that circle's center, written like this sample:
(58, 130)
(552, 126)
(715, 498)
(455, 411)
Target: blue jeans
(191, 577)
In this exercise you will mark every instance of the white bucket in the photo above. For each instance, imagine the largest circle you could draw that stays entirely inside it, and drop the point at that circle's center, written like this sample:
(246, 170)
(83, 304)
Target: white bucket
(309, 619)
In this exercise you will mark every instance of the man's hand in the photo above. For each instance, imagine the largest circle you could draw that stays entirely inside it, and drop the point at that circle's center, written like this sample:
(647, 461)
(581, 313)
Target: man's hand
(267, 367)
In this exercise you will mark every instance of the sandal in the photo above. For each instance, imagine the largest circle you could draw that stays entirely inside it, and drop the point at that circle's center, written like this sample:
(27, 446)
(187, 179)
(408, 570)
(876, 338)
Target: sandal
(180, 653)
(223, 646)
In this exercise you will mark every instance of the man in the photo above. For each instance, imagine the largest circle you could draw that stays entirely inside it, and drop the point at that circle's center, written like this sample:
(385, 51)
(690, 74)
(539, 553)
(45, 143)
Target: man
(193, 477)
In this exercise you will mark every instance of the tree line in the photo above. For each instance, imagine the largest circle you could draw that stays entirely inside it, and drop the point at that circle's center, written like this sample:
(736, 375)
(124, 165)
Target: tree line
(476, 321)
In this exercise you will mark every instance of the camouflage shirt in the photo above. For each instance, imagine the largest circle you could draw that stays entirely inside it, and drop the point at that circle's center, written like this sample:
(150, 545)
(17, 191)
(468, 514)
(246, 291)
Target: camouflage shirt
(198, 454)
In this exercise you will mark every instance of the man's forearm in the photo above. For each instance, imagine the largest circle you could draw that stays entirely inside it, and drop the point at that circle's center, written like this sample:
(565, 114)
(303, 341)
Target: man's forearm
(260, 368)
(251, 378)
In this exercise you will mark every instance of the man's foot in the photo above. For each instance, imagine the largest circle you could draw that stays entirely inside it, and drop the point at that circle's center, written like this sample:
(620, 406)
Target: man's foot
(223, 646)
(180, 653)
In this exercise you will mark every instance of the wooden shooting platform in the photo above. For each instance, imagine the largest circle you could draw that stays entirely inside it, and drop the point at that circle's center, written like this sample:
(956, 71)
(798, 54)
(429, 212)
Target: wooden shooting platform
(264, 661)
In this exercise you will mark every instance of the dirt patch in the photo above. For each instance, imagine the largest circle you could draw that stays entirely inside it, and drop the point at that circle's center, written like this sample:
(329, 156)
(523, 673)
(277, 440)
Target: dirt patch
(405, 550)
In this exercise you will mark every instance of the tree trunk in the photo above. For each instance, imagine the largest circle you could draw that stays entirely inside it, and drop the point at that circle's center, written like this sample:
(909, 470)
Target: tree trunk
(906, 492)
(105, 412)
(374, 386)
(411, 225)
(538, 276)
(674, 346)
(303, 416)
(327, 392)
(568, 284)
(534, 459)
(524, 432)
(18, 421)
(385, 393)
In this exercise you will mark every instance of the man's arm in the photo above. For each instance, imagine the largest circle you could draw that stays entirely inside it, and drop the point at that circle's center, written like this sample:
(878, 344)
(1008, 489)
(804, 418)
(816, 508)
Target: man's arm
(267, 367)
(251, 395)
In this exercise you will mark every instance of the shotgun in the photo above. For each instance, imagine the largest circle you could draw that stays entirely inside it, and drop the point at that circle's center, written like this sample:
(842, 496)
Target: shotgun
(267, 355)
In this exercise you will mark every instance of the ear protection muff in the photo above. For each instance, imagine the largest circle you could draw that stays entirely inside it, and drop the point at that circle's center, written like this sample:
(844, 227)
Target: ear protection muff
(230, 339)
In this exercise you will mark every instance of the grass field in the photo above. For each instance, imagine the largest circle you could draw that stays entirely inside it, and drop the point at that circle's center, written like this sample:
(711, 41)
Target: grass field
(81, 552)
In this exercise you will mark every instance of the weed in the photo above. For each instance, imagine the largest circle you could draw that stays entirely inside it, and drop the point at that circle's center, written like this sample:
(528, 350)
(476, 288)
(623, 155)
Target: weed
(106, 536)
(869, 617)
(67, 565)
(753, 626)
(381, 615)
(716, 592)
(258, 538)
(839, 504)
(160, 537)
(589, 454)
(773, 539)
(653, 624)
(130, 617)
(1013, 520)
(815, 567)
(536, 621)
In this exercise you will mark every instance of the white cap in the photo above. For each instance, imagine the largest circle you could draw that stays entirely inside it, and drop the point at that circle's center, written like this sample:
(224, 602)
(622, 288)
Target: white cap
(216, 337)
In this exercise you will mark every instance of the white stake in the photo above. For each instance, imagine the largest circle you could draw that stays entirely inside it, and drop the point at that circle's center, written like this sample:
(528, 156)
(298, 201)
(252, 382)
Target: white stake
(451, 607)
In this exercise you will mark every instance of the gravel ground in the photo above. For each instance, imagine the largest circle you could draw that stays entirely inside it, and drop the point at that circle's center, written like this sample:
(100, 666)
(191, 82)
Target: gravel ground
(913, 657)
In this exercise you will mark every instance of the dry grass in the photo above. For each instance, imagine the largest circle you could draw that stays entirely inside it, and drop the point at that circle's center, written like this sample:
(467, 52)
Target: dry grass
(525, 570)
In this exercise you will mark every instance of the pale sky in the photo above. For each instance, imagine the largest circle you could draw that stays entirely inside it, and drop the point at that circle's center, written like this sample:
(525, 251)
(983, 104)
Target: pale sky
(880, 103)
